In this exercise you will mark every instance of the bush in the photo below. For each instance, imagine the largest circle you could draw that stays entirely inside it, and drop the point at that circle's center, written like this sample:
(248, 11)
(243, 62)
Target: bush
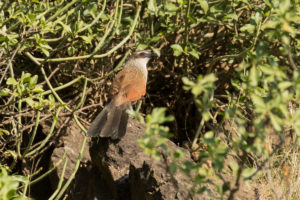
(9, 185)
(228, 73)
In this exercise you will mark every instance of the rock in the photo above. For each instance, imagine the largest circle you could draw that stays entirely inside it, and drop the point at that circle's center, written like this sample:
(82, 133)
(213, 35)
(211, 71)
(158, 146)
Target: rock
(124, 163)
(123, 170)
(88, 183)
(129, 173)
(153, 182)
(86, 178)
(71, 142)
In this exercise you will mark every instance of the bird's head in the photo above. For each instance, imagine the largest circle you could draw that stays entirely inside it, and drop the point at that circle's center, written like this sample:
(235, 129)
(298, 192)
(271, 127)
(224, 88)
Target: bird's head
(140, 59)
(144, 54)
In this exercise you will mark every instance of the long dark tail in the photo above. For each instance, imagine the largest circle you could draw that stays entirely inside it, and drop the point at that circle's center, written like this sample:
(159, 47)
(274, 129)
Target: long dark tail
(110, 122)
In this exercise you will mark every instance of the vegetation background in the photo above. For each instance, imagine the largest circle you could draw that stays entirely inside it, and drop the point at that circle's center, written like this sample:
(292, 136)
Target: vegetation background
(228, 76)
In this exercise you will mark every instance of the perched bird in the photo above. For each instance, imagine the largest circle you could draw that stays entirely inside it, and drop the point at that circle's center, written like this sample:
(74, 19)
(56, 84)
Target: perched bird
(129, 85)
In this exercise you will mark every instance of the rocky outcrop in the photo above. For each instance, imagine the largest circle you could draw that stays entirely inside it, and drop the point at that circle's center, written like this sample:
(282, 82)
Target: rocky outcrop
(119, 169)
(124, 164)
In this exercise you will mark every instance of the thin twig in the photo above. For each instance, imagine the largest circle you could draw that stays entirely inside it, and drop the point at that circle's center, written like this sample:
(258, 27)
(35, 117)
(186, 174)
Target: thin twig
(48, 135)
(95, 20)
(38, 60)
(32, 136)
(61, 179)
(49, 171)
(74, 172)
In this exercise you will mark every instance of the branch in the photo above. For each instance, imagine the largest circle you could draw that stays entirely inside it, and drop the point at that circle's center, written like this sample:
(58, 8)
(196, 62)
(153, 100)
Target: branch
(38, 60)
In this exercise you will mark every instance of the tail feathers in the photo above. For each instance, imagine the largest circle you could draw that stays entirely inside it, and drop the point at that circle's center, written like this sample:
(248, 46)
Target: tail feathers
(98, 123)
(110, 122)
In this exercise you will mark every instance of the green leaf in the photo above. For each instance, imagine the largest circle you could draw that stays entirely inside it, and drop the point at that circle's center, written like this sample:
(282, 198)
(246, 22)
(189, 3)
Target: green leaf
(156, 38)
(152, 7)
(245, 1)
(177, 49)
(194, 53)
(71, 50)
(51, 98)
(206, 115)
(45, 45)
(232, 16)
(158, 116)
(142, 46)
(204, 5)
(276, 122)
(284, 5)
(234, 166)
(78, 25)
(38, 89)
(5, 92)
(178, 154)
(91, 10)
(209, 135)
(30, 101)
(25, 77)
(284, 85)
(3, 131)
(248, 28)
(253, 76)
(171, 7)
(11, 81)
(258, 101)
(65, 27)
(262, 49)
(248, 172)
(157, 51)
(268, 3)
(87, 39)
(46, 52)
(257, 18)
(187, 81)
(107, 17)
(210, 78)
(33, 81)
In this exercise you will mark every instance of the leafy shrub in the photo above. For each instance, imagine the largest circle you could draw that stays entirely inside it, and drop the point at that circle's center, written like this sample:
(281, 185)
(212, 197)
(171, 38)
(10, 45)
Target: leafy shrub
(246, 52)
(9, 185)
(258, 100)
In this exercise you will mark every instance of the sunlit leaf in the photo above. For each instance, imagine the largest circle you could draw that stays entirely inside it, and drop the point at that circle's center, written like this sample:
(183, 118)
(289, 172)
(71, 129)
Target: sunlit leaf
(33, 81)
(177, 49)
(171, 7)
(248, 28)
(204, 5)
(38, 89)
(194, 53)
(248, 172)
(11, 81)
(276, 122)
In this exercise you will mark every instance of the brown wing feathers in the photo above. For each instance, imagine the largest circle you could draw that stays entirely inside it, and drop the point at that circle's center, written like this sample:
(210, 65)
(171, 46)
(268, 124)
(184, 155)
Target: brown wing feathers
(129, 85)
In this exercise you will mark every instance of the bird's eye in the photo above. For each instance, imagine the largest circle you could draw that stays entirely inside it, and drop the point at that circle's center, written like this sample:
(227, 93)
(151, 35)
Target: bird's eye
(142, 54)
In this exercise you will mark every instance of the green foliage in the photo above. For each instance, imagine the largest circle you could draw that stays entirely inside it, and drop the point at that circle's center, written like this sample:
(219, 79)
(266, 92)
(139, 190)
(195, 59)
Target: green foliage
(27, 90)
(9, 185)
(265, 84)
(45, 30)
(238, 59)
(204, 89)
(156, 134)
